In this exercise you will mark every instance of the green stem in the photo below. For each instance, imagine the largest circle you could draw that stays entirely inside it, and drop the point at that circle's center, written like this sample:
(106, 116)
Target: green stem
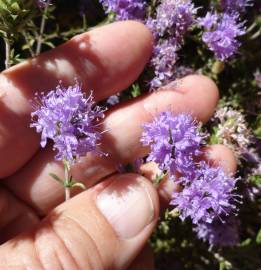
(42, 28)
(28, 44)
(67, 188)
(67, 193)
(7, 53)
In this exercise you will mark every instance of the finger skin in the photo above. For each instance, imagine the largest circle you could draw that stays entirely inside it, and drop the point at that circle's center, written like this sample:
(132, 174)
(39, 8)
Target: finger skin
(121, 142)
(221, 155)
(106, 60)
(15, 216)
(76, 235)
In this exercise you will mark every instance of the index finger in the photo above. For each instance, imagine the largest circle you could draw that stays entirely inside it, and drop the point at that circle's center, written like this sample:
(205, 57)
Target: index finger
(105, 60)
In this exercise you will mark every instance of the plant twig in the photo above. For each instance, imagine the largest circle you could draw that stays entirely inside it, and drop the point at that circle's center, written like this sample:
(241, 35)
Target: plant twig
(7, 53)
(67, 187)
(28, 44)
(67, 193)
(42, 28)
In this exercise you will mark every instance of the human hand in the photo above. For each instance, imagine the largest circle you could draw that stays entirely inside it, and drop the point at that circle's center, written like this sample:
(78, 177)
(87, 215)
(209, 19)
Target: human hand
(107, 226)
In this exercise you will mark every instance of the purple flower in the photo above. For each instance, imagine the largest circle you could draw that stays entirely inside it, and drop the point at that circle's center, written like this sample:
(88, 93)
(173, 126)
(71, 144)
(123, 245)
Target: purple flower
(113, 100)
(208, 195)
(164, 60)
(173, 18)
(42, 3)
(209, 21)
(223, 234)
(174, 141)
(125, 9)
(68, 118)
(221, 34)
(235, 5)
(172, 21)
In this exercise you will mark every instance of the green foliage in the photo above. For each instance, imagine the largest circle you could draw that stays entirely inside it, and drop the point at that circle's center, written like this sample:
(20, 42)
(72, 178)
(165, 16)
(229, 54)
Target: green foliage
(14, 15)
(258, 237)
(136, 91)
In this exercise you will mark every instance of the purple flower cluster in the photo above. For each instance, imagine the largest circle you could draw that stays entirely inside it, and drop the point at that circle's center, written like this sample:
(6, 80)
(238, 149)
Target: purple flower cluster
(126, 9)
(233, 6)
(68, 118)
(175, 143)
(207, 196)
(218, 233)
(173, 18)
(221, 33)
(164, 60)
(172, 21)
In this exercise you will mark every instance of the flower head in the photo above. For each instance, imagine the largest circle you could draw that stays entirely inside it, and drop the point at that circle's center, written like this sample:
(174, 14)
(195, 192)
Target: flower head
(209, 21)
(164, 60)
(173, 18)
(232, 130)
(174, 141)
(235, 5)
(207, 196)
(125, 9)
(172, 21)
(219, 233)
(68, 118)
(221, 34)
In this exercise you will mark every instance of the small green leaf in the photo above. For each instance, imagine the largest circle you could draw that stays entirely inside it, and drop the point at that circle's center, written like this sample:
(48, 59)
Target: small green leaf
(49, 44)
(80, 185)
(135, 91)
(57, 178)
(222, 266)
(246, 242)
(255, 179)
(258, 237)
(15, 7)
(159, 177)
(14, 16)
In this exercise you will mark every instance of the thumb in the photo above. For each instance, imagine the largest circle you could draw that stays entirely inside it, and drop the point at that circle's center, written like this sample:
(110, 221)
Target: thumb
(104, 227)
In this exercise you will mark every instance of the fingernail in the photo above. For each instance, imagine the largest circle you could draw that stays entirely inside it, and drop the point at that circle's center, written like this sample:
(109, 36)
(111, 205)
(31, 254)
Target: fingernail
(127, 205)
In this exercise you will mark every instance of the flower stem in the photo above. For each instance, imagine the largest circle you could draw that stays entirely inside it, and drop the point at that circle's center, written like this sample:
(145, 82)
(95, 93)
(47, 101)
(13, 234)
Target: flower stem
(67, 187)
(42, 28)
(7, 53)
(67, 193)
